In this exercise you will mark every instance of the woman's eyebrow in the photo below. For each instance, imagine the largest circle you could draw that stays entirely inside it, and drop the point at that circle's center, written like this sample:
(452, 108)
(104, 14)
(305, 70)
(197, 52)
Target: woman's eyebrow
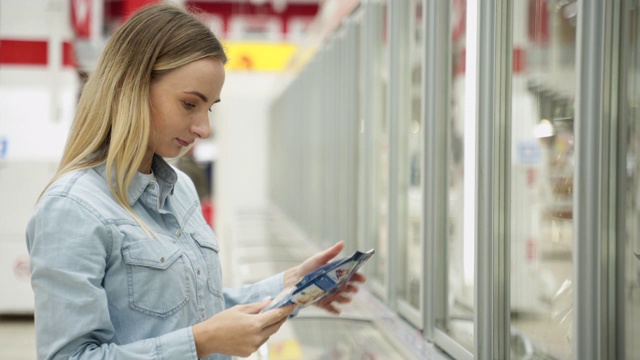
(198, 94)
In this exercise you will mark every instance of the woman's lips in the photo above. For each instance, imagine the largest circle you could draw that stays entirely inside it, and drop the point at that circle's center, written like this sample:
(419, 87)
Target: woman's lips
(183, 143)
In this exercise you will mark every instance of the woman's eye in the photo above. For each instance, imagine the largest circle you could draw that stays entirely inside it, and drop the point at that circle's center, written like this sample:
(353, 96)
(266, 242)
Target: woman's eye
(188, 105)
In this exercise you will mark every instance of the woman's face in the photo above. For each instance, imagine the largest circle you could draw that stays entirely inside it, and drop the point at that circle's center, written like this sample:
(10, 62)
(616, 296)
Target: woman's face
(180, 105)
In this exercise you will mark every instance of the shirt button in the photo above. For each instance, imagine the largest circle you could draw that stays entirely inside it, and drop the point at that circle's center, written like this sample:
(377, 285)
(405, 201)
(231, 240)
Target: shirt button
(152, 186)
(198, 271)
(202, 314)
(162, 259)
(178, 233)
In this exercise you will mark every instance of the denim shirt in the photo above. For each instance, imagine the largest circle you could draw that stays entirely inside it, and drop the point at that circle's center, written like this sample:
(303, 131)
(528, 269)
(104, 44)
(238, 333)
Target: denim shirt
(105, 289)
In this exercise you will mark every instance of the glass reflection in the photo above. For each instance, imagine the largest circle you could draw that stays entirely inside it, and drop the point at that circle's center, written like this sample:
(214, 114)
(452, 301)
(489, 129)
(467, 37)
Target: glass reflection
(381, 165)
(413, 257)
(631, 113)
(543, 88)
(459, 322)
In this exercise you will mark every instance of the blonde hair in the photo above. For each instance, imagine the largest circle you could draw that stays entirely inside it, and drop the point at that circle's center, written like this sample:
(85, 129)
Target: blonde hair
(112, 122)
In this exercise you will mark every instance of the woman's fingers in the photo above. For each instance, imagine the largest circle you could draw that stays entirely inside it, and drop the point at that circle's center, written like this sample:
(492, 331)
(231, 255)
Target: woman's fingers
(275, 316)
(274, 327)
(358, 277)
(325, 256)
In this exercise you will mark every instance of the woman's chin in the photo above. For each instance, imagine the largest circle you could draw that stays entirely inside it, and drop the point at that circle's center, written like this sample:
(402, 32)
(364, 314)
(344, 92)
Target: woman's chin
(173, 153)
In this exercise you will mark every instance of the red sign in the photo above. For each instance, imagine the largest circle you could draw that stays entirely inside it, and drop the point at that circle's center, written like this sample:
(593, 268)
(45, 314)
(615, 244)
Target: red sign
(32, 53)
(81, 18)
(23, 52)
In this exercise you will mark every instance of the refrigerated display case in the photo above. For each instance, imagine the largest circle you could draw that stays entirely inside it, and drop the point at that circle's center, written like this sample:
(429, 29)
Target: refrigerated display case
(21, 183)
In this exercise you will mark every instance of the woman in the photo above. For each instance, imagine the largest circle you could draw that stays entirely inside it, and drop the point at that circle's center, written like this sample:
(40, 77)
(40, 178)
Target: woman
(123, 264)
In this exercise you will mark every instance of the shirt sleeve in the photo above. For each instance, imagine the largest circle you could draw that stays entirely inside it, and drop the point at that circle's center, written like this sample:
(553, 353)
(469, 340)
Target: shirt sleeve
(247, 294)
(69, 245)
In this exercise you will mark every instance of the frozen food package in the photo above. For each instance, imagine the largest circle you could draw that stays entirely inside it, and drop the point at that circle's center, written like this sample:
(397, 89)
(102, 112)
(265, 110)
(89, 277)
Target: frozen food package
(320, 283)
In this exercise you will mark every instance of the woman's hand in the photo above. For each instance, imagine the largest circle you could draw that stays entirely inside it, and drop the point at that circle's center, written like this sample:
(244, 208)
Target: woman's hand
(240, 330)
(293, 275)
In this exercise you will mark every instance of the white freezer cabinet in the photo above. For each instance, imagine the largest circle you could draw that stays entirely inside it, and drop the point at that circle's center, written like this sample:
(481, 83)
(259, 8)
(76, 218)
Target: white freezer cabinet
(21, 183)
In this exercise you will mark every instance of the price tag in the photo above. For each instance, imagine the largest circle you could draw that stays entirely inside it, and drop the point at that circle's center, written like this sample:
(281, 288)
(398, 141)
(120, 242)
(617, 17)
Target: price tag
(4, 145)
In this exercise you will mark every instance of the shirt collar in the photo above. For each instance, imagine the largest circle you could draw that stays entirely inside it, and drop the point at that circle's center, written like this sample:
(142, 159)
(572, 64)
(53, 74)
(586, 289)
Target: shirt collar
(165, 175)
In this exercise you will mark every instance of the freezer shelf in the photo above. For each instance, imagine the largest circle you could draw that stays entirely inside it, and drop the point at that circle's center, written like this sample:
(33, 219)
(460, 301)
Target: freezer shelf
(332, 339)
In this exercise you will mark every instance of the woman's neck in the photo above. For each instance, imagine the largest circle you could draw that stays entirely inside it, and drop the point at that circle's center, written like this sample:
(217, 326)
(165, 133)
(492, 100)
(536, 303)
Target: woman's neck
(145, 165)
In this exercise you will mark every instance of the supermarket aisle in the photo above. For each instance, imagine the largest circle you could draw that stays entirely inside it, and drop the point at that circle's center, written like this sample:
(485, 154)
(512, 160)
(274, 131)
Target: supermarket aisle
(262, 241)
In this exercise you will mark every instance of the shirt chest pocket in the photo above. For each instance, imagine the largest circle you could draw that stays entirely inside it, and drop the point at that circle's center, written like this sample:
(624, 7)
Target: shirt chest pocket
(156, 276)
(209, 248)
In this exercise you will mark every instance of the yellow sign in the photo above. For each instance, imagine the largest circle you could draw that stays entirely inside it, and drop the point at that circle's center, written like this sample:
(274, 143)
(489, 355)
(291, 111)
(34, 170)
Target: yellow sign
(285, 350)
(258, 56)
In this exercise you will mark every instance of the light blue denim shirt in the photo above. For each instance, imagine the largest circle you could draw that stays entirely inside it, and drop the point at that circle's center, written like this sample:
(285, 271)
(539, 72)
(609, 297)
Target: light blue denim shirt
(104, 289)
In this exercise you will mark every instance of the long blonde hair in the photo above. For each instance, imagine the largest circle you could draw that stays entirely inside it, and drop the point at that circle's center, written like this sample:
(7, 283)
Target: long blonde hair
(112, 122)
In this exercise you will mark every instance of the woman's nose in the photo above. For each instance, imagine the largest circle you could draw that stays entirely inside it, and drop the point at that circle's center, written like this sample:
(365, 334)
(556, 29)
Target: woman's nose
(201, 127)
